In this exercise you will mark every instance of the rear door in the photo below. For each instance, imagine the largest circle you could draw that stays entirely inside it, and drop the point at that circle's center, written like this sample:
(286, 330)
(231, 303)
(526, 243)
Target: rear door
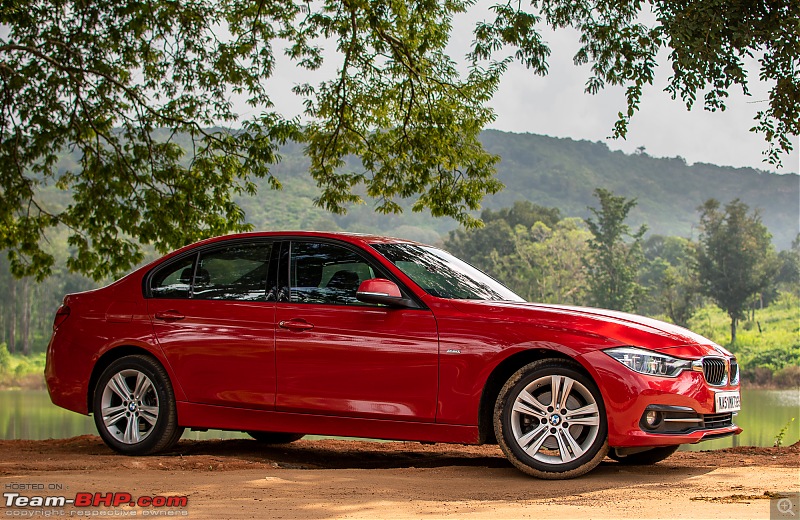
(213, 313)
(336, 355)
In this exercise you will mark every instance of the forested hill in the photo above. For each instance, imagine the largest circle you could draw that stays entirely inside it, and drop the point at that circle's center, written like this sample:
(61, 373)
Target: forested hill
(564, 173)
(561, 173)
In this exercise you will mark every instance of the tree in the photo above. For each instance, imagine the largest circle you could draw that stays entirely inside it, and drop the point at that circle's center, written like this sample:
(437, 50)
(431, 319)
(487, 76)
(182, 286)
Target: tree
(612, 263)
(559, 256)
(530, 249)
(498, 237)
(735, 257)
(140, 93)
(788, 277)
(669, 279)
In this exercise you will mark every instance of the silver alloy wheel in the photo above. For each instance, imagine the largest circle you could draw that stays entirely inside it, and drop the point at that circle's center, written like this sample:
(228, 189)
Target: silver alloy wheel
(555, 419)
(129, 406)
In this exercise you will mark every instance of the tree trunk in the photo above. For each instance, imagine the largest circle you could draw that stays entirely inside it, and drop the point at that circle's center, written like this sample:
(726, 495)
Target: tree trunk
(26, 316)
(12, 318)
(733, 331)
(3, 322)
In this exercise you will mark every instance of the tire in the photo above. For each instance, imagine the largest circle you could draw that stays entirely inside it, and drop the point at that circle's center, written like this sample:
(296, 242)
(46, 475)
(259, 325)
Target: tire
(134, 407)
(538, 437)
(275, 437)
(645, 458)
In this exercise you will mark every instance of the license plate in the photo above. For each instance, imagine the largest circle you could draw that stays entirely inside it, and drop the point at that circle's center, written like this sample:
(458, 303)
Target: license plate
(728, 402)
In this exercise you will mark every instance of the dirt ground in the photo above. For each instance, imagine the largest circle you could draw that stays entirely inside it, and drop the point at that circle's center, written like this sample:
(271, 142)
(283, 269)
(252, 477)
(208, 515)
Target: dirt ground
(325, 479)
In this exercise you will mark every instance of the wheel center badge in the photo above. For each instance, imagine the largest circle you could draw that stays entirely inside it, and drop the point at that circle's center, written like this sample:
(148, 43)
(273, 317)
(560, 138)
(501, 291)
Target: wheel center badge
(132, 407)
(555, 419)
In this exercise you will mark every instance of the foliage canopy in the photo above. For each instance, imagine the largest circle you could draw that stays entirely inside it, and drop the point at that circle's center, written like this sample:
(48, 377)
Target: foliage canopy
(116, 81)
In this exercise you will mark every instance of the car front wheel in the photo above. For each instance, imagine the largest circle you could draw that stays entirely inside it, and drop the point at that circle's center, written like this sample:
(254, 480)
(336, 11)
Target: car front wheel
(550, 420)
(134, 407)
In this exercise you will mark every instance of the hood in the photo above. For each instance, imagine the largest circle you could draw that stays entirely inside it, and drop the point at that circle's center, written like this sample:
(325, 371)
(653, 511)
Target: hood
(626, 328)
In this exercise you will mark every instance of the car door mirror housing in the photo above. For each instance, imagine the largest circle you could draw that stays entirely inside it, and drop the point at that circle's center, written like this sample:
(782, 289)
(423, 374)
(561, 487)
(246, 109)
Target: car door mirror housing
(384, 292)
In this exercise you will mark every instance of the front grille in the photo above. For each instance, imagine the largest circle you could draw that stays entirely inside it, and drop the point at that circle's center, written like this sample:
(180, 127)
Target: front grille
(717, 420)
(714, 370)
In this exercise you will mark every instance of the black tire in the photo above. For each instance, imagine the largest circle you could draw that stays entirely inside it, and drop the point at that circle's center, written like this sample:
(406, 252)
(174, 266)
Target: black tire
(551, 455)
(276, 437)
(144, 421)
(645, 458)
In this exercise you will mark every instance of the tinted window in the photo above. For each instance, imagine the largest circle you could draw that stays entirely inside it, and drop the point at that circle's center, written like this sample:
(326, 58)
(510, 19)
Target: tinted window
(326, 273)
(441, 274)
(173, 280)
(234, 273)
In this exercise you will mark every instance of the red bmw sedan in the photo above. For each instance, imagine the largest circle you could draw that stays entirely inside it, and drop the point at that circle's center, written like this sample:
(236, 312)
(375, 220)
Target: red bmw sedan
(285, 334)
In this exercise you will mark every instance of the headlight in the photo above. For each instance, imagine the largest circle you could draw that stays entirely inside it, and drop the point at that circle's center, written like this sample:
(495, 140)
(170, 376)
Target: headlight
(648, 362)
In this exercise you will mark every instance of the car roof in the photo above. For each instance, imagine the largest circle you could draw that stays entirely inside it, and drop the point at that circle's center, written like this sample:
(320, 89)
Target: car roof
(353, 238)
(361, 238)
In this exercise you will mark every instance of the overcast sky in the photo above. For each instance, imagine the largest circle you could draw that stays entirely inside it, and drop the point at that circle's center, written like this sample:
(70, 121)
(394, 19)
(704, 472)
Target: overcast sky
(556, 105)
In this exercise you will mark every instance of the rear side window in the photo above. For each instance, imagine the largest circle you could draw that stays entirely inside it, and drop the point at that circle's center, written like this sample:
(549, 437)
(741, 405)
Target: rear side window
(174, 280)
(236, 272)
(233, 273)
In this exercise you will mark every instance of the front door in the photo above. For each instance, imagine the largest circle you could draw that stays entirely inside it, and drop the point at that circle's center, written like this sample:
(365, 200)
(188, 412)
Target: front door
(336, 355)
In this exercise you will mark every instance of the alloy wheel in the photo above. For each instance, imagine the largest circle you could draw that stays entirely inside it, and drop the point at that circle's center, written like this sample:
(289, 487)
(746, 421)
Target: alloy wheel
(555, 419)
(129, 406)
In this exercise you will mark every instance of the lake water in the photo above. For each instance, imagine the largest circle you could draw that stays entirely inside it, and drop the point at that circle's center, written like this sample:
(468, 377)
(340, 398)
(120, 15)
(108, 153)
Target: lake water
(29, 414)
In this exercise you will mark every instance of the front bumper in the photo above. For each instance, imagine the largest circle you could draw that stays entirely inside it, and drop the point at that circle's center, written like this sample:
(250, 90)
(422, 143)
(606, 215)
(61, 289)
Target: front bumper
(627, 395)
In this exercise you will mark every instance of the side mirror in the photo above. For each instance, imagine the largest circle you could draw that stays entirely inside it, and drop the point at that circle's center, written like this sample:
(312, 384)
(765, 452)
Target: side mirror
(385, 292)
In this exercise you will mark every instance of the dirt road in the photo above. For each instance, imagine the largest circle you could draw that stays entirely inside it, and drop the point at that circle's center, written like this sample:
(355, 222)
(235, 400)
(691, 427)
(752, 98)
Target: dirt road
(351, 479)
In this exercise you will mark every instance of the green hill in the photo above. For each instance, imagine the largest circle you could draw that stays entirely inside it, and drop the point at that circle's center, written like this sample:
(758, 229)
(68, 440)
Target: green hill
(561, 173)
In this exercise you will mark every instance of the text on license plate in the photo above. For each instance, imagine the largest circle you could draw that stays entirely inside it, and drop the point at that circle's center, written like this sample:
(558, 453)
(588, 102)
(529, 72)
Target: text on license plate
(727, 402)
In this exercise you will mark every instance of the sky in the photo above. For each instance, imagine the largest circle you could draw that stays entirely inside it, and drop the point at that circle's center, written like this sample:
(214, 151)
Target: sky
(556, 105)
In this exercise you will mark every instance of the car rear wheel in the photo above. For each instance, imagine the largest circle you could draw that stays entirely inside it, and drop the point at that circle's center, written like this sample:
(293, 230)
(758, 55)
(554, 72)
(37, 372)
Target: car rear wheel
(134, 407)
(644, 458)
(275, 437)
(550, 420)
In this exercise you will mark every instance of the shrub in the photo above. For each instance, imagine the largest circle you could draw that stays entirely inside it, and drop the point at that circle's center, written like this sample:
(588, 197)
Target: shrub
(773, 357)
(758, 376)
(788, 377)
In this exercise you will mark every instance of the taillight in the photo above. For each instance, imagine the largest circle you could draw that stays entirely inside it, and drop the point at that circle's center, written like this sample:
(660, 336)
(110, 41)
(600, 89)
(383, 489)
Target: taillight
(61, 315)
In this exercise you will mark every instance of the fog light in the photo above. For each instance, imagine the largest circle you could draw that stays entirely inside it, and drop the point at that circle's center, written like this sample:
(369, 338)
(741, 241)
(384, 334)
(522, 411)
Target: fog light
(652, 418)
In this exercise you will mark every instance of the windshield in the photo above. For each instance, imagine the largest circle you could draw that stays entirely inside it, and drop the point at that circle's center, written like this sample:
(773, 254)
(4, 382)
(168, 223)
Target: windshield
(441, 274)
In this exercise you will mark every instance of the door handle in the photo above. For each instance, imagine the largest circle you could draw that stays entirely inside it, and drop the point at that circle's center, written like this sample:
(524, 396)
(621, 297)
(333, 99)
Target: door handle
(297, 325)
(169, 315)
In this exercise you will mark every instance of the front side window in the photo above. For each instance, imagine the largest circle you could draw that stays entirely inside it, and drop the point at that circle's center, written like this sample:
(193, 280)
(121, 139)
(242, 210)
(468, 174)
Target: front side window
(326, 273)
(441, 274)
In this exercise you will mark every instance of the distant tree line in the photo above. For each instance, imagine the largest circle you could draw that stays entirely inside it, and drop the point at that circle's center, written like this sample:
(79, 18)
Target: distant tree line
(28, 308)
(600, 261)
